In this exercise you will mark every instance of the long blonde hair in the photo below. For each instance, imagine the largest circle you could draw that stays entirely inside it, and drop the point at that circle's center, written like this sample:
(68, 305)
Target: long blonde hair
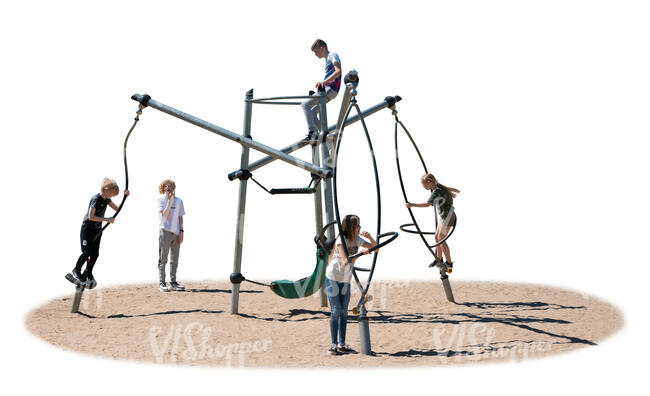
(432, 179)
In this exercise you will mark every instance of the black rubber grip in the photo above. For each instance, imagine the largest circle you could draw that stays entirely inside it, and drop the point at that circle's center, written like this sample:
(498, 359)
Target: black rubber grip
(391, 100)
(142, 99)
(242, 174)
(236, 278)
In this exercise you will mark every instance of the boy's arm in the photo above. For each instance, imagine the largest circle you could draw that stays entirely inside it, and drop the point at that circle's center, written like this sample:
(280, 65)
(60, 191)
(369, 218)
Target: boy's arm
(182, 233)
(112, 204)
(337, 72)
(92, 217)
(165, 212)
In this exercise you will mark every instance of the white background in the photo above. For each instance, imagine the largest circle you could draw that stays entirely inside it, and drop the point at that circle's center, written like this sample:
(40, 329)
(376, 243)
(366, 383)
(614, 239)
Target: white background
(536, 111)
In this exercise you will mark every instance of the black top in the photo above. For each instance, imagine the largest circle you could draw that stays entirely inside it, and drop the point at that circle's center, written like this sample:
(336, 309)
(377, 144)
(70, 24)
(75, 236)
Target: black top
(99, 204)
(442, 200)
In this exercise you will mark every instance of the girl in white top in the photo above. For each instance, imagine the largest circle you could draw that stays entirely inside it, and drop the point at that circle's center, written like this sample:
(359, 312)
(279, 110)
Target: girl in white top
(337, 279)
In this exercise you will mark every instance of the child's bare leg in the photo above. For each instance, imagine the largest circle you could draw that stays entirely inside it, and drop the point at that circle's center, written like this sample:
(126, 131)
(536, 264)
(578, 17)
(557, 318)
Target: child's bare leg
(439, 247)
(443, 248)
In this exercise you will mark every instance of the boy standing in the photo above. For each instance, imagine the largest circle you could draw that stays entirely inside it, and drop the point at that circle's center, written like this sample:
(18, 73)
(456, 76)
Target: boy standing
(91, 232)
(331, 83)
(171, 211)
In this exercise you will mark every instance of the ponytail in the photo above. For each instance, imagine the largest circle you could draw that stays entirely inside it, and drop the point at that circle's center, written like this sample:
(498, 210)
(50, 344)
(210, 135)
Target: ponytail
(431, 178)
(452, 191)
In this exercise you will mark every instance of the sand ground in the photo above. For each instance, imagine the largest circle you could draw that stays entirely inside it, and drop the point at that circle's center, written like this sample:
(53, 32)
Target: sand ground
(411, 324)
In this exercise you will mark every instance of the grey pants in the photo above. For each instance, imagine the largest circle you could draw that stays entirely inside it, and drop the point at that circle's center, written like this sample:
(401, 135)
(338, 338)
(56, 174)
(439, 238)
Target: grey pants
(310, 108)
(167, 246)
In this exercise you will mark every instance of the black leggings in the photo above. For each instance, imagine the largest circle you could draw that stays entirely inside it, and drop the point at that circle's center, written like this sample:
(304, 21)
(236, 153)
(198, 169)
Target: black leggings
(90, 239)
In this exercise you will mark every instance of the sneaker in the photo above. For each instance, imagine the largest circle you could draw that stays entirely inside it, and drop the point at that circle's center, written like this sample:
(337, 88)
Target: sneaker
(436, 263)
(176, 286)
(163, 287)
(91, 283)
(77, 277)
(344, 348)
(449, 266)
(71, 279)
(334, 351)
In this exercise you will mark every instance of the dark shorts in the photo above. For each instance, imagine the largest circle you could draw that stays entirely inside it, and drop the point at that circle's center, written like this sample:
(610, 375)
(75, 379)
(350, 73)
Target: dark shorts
(90, 237)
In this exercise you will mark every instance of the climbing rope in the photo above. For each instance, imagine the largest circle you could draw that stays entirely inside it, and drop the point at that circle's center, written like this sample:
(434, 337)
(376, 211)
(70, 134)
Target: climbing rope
(126, 169)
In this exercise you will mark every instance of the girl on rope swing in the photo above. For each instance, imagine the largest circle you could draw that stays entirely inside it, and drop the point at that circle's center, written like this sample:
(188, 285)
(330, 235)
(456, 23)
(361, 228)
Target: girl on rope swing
(442, 198)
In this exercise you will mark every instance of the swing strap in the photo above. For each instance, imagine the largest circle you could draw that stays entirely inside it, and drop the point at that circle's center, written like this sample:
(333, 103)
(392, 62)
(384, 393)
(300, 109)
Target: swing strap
(299, 190)
(237, 278)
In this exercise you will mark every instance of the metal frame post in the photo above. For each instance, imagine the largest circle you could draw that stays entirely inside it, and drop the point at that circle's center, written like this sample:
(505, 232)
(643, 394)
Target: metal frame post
(447, 286)
(78, 293)
(364, 331)
(318, 214)
(241, 210)
(326, 163)
(364, 327)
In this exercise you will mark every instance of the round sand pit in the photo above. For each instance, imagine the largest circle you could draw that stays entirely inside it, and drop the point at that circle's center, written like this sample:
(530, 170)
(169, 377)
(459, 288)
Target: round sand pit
(411, 324)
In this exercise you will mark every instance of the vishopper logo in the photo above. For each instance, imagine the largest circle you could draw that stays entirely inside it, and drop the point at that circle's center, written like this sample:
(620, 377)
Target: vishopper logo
(379, 293)
(92, 298)
(178, 344)
(240, 227)
(476, 342)
(383, 290)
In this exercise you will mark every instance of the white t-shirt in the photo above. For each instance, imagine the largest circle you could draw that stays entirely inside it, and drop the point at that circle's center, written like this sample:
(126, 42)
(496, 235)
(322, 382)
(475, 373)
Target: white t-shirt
(337, 270)
(172, 222)
(332, 58)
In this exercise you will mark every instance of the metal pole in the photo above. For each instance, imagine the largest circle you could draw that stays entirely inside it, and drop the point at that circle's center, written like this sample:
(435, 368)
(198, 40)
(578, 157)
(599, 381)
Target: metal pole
(364, 327)
(447, 286)
(322, 104)
(364, 331)
(345, 103)
(351, 82)
(327, 161)
(389, 101)
(241, 139)
(239, 239)
(318, 213)
(78, 292)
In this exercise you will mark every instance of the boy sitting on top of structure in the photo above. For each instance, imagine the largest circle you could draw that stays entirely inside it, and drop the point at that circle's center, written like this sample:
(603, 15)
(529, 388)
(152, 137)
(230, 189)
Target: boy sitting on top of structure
(331, 83)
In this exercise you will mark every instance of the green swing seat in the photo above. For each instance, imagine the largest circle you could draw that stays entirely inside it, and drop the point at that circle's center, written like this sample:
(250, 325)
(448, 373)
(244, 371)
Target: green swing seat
(304, 287)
